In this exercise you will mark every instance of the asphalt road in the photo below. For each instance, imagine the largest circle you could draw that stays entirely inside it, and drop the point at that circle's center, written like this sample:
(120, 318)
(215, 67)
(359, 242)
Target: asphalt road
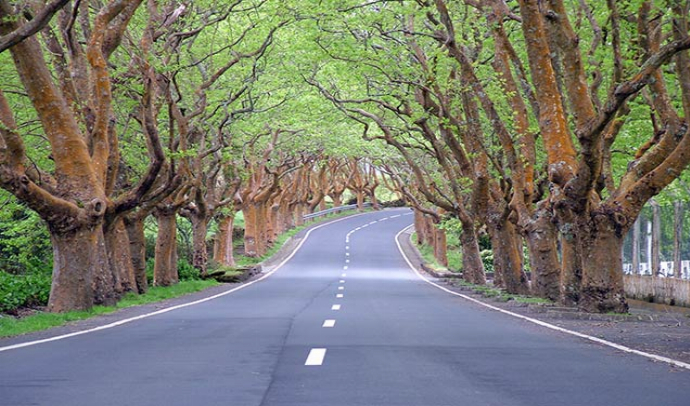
(391, 339)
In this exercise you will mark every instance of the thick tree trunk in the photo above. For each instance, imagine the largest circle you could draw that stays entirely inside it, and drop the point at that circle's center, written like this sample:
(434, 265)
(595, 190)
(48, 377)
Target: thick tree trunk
(287, 217)
(541, 236)
(602, 273)
(199, 248)
(472, 266)
(75, 255)
(419, 226)
(440, 246)
(507, 249)
(165, 267)
(571, 269)
(224, 254)
(137, 250)
(255, 229)
(360, 199)
(251, 231)
(119, 257)
(337, 199)
(601, 247)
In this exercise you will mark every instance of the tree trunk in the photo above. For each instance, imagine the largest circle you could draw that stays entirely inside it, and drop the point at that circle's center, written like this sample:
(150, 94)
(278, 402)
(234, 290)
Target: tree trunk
(507, 249)
(419, 226)
(472, 265)
(199, 248)
(571, 269)
(656, 238)
(251, 231)
(224, 254)
(601, 247)
(360, 199)
(119, 256)
(636, 247)
(74, 258)
(137, 250)
(337, 199)
(677, 238)
(440, 246)
(541, 236)
(165, 267)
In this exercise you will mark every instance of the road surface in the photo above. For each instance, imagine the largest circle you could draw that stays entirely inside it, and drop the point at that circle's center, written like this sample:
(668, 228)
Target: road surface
(345, 322)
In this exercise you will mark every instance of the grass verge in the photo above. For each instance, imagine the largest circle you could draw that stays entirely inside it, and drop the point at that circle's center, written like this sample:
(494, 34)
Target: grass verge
(11, 326)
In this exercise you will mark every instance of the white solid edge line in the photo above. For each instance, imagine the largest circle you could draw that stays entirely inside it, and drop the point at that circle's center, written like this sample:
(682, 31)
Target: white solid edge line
(315, 357)
(169, 309)
(535, 321)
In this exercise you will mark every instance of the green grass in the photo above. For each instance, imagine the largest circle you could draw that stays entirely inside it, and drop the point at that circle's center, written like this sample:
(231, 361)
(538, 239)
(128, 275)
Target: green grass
(427, 253)
(11, 326)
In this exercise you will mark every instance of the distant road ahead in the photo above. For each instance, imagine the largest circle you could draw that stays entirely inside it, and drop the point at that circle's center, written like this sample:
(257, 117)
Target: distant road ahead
(345, 322)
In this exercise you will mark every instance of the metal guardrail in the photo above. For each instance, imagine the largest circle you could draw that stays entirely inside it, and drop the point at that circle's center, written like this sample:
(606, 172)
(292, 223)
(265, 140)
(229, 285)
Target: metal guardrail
(332, 210)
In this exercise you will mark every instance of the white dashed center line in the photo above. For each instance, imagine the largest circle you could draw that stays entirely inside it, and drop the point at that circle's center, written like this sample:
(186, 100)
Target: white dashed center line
(343, 275)
(342, 281)
(339, 296)
(315, 357)
(347, 261)
(345, 267)
(328, 323)
(341, 288)
(335, 307)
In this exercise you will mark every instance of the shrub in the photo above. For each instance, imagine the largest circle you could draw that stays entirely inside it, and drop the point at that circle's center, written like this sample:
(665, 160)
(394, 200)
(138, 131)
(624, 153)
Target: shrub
(186, 271)
(487, 259)
(26, 290)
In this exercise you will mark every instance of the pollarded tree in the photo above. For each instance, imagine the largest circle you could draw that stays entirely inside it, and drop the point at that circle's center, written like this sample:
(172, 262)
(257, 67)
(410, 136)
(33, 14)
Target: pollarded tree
(73, 105)
(593, 212)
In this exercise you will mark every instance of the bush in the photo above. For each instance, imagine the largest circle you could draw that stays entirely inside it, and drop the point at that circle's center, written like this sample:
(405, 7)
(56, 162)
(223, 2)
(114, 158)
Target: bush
(487, 259)
(26, 290)
(186, 271)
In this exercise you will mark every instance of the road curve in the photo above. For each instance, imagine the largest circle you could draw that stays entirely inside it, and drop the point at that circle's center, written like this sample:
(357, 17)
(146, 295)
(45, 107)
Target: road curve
(344, 322)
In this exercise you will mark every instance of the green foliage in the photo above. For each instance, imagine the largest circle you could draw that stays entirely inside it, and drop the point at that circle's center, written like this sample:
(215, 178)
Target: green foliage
(28, 290)
(24, 239)
(487, 259)
(186, 271)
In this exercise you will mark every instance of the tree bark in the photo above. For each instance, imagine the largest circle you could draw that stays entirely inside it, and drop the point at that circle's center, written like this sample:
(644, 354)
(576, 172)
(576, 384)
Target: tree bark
(472, 266)
(677, 238)
(224, 254)
(119, 256)
(636, 246)
(507, 248)
(137, 250)
(74, 257)
(165, 267)
(541, 236)
(199, 247)
(571, 269)
(602, 280)
(656, 238)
